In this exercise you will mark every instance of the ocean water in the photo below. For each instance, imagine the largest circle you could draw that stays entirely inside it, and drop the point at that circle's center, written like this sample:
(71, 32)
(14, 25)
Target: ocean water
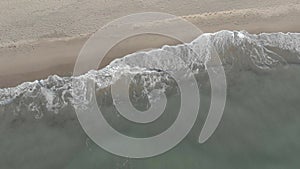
(259, 129)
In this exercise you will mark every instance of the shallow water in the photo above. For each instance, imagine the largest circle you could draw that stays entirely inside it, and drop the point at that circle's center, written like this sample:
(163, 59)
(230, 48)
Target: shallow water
(259, 128)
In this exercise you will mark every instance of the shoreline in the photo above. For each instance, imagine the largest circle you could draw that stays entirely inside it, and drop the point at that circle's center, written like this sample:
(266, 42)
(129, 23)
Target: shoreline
(37, 59)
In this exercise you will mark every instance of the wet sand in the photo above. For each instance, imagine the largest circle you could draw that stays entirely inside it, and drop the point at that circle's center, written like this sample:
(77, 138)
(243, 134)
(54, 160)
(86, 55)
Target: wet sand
(28, 60)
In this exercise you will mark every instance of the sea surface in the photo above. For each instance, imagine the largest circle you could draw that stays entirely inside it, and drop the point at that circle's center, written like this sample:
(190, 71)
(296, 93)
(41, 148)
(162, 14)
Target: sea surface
(260, 127)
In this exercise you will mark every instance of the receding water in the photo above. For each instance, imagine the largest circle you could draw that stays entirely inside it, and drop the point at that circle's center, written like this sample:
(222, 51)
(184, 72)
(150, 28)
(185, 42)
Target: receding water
(259, 128)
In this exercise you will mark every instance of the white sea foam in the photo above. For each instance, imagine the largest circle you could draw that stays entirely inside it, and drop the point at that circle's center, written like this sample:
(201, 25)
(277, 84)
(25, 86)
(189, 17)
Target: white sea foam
(239, 48)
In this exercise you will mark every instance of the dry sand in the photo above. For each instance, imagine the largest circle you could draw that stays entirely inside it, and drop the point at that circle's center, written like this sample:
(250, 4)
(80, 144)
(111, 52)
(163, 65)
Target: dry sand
(40, 38)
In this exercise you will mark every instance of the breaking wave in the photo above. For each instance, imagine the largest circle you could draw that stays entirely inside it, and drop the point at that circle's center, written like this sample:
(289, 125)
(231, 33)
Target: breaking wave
(237, 50)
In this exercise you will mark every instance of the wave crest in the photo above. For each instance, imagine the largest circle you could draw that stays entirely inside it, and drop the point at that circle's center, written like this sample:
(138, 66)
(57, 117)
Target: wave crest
(237, 50)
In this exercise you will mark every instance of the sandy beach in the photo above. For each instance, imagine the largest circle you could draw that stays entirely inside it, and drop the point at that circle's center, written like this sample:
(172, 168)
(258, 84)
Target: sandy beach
(37, 43)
